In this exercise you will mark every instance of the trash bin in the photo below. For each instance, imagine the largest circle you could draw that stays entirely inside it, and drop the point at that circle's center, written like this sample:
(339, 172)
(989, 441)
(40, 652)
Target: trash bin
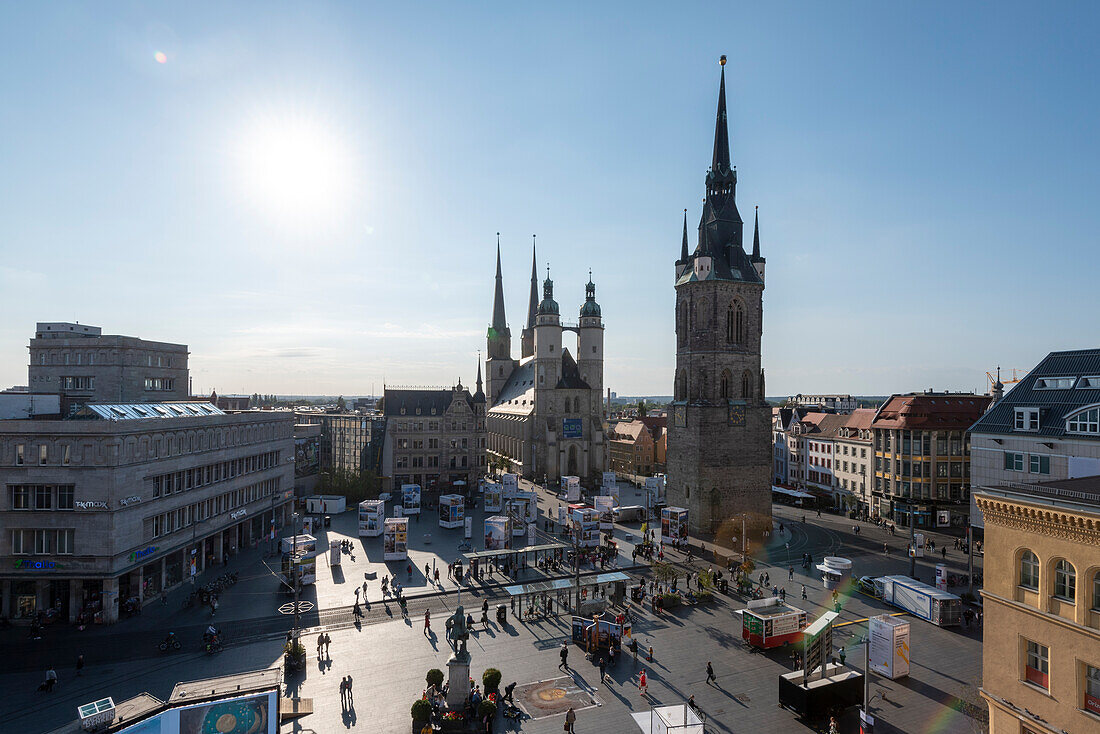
(328, 521)
(502, 613)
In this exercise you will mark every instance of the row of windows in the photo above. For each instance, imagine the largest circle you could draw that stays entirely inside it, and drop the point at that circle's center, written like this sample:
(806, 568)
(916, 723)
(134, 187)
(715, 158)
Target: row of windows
(921, 490)
(696, 316)
(1064, 584)
(1087, 421)
(43, 454)
(76, 383)
(41, 496)
(160, 383)
(922, 469)
(416, 462)
(203, 475)
(42, 542)
(917, 443)
(164, 523)
(1036, 463)
(434, 426)
(77, 358)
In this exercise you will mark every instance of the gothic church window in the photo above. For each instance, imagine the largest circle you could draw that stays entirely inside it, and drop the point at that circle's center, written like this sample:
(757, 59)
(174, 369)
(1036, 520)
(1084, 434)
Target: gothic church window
(725, 387)
(746, 385)
(735, 323)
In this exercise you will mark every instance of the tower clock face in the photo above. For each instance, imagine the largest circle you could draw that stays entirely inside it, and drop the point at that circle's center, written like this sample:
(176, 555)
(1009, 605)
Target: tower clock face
(737, 415)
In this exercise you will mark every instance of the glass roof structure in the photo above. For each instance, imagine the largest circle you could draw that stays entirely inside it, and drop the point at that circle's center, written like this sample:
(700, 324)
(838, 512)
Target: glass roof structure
(139, 411)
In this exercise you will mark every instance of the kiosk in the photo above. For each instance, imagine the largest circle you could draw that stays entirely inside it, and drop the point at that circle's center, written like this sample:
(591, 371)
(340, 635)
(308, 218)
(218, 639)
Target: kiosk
(410, 498)
(452, 511)
(510, 484)
(395, 539)
(299, 554)
(597, 633)
(836, 572)
(768, 623)
(498, 532)
(494, 497)
(371, 515)
(674, 523)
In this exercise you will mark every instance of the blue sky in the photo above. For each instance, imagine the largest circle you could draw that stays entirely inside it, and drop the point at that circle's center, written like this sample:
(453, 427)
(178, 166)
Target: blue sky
(926, 176)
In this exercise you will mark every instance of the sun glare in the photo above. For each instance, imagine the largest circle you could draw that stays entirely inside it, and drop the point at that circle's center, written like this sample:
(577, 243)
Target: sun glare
(297, 172)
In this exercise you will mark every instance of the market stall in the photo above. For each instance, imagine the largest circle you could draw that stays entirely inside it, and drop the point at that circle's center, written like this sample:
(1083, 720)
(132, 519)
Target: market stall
(371, 515)
(395, 539)
(674, 523)
(410, 499)
(452, 511)
(768, 623)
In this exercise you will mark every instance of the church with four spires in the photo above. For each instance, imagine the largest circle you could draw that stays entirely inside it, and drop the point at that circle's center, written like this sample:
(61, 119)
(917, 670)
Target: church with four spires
(545, 416)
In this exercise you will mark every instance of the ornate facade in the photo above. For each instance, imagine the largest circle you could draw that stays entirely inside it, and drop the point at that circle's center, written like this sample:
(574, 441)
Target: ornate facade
(719, 449)
(545, 418)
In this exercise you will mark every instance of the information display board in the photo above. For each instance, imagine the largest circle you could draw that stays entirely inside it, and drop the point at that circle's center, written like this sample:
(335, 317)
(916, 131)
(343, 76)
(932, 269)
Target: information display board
(674, 523)
(571, 488)
(494, 496)
(410, 498)
(889, 653)
(452, 511)
(395, 539)
(586, 528)
(254, 714)
(605, 510)
(371, 515)
(510, 482)
(572, 428)
(498, 532)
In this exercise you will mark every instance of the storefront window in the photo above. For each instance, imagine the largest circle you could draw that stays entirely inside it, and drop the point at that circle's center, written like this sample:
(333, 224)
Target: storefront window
(173, 569)
(150, 579)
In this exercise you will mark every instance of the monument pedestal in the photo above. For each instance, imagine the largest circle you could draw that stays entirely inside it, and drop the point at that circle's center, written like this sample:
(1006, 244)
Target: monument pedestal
(458, 680)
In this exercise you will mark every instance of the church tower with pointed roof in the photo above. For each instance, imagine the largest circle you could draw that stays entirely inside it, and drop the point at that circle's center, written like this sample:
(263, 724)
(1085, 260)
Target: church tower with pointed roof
(719, 448)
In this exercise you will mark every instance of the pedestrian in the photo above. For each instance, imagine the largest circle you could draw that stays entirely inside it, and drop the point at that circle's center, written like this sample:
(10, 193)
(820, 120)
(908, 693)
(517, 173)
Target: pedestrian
(357, 596)
(51, 679)
(437, 577)
(320, 642)
(564, 665)
(328, 642)
(364, 591)
(885, 548)
(351, 697)
(710, 674)
(427, 621)
(570, 719)
(344, 692)
(843, 655)
(213, 606)
(803, 591)
(643, 683)
(943, 552)
(80, 665)
(649, 656)
(410, 572)
(790, 573)
(603, 668)
(163, 598)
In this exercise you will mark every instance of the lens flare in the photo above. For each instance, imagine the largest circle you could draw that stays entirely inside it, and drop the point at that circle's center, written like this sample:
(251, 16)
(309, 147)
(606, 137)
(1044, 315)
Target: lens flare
(160, 57)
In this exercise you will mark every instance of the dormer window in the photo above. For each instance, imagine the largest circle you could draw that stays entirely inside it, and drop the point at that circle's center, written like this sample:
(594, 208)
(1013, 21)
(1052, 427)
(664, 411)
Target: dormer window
(1054, 383)
(1027, 419)
(1087, 421)
(1089, 382)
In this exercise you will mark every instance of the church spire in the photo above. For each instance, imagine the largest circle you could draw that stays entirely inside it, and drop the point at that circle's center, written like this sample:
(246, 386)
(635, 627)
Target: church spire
(500, 323)
(721, 159)
(684, 244)
(756, 237)
(479, 390)
(533, 303)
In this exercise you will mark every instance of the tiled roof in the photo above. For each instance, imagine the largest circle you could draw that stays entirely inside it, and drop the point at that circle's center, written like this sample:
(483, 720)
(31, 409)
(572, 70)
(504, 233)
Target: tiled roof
(1055, 405)
(517, 397)
(428, 402)
(931, 411)
(860, 419)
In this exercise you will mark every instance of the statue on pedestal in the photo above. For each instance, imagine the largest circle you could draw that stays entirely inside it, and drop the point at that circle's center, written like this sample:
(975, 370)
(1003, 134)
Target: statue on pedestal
(457, 630)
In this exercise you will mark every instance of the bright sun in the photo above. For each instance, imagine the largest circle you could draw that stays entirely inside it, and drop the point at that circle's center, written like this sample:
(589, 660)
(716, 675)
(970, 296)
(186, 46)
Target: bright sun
(297, 172)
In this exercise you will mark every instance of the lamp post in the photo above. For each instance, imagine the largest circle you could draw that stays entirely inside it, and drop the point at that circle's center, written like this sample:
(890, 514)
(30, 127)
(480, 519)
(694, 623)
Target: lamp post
(296, 558)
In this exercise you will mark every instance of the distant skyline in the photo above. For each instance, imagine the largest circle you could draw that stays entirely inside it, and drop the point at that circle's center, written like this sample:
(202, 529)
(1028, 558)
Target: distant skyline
(308, 196)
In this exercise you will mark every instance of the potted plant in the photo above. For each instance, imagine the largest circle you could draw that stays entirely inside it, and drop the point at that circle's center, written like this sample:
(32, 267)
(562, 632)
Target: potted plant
(294, 655)
(486, 708)
(421, 711)
(435, 678)
(490, 680)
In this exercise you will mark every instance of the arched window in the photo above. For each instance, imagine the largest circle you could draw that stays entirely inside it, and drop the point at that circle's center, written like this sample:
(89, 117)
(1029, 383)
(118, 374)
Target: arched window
(746, 385)
(725, 387)
(704, 317)
(735, 323)
(682, 385)
(1065, 580)
(576, 405)
(1029, 571)
(1096, 591)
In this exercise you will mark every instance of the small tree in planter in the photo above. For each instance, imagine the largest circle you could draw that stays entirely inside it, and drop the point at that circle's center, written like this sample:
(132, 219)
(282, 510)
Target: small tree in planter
(295, 653)
(490, 680)
(435, 678)
(421, 710)
(486, 708)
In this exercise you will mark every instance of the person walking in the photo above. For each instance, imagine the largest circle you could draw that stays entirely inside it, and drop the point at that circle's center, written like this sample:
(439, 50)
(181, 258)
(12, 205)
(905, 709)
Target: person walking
(437, 577)
(803, 591)
(603, 669)
(163, 598)
(343, 693)
(351, 696)
(943, 552)
(51, 679)
(427, 621)
(80, 665)
(320, 642)
(328, 642)
(710, 674)
(643, 683)
(213, 606)
(570, 720)
(357, 590)
(564, 665)
(790, 573)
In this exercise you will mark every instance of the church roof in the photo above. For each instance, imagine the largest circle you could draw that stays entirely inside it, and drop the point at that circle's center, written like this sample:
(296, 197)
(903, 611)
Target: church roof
(517, 397)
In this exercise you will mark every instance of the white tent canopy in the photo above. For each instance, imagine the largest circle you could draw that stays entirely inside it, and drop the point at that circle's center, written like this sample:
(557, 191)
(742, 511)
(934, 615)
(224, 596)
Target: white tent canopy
(676, 719)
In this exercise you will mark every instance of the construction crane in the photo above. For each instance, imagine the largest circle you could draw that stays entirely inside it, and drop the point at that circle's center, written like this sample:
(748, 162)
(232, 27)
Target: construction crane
(1017, 375)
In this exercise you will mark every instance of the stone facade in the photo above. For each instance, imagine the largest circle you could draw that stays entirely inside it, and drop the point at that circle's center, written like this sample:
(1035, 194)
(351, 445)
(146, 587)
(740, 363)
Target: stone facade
(121, 504)
(84, 366)
(719, 461)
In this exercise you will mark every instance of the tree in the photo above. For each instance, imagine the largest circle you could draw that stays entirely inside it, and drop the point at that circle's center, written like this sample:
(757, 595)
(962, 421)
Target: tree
(340, 403)
(663, 572)
(641, 409)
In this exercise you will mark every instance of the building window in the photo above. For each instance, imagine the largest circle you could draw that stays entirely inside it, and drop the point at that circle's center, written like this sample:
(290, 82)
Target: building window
(65, 541)
(65, 497)
(19, 454)
(66, 455)
(1096, 591)
(42, 454)
(1027, 419)
(1087, 421)
(1065, 580)
(1039, 464)
(1014, 461)
(20, 497)
(1029, 571)
(1092, 689)
(21, 542)
(43, 542)
(43, 495)
(1036, 665)
(1055, 383)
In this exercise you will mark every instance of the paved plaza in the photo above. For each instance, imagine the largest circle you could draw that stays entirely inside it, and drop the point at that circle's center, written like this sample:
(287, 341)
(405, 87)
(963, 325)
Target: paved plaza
(388, 656)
